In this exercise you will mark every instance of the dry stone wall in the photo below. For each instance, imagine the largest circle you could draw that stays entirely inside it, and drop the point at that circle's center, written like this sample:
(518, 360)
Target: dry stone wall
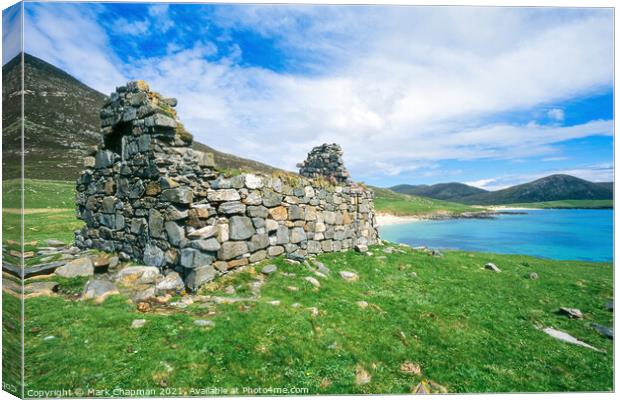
(146, 194)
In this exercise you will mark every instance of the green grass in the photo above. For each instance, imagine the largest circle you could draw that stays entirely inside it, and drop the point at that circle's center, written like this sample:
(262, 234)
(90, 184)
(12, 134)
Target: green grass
(389, 202)
(470, 330)
(586, 204)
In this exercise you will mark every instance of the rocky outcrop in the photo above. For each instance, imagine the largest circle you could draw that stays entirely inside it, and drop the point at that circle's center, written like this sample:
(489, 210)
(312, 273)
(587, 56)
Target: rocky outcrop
(147, 195)
(325, 161)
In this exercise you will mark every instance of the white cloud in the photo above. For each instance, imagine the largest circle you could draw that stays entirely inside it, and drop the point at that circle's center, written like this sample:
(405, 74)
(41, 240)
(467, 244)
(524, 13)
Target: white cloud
(134, 28)
(556, 114)
(414, 89)
(483, 183)
(161, 16)
(11, 32)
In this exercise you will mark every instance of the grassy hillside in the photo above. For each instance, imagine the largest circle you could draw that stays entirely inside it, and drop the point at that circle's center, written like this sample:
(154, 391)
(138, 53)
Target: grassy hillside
(441, 191)
(389, 202)
(586, 204)
(468, 329)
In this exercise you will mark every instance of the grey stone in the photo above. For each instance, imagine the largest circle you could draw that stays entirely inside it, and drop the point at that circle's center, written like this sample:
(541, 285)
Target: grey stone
(199, 276)
(257, 211)
(604, 331)
(204, 322)
(203, 233)
(259, 242)
(533, 276)
(79, 267)
(361, 248)
(137, 323)
(269, 269)
(54, 242)
(349, 276)
(179, 195)
(172, 281)
(492, 267)
(253, 182)
(282, 235)
(271, 199)
(104, 159)
(137, 275)
(298, 235)
(241, 228)
(322, 268)
(232, 207)
(153, 255)
(223, 195)
(295, 213)
(193, 258)
(313, 281)
(275, 251)
(258, 256)
(565, 337)
(230, 250)
(156, 224)
(176, 234)
(99, 290)
(571, 312)
(210, 244)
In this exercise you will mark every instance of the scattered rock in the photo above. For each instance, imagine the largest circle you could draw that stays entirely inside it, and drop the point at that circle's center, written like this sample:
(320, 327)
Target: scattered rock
(609, 306)
(492, 267)
(54, 243)
(411, 368)
(533, 276)
(36, 289)
(204, 322)
(428, 387)
(98, 290)
(362, 377)
(292, 288)
(137, 275)
(230, 289)
(80, 267)
(349, 276)
(362, 304)
(269, 269)
(275, 302)
(604, 331)
(172, 281)
(313, 311)
(413, 274)
(313, 281)
(144, 307)
(565, 337)
(436, 253)
(361, 248)
(322, 268)
(571, 312)
(137, 323)
(295, 305)
(51, 337)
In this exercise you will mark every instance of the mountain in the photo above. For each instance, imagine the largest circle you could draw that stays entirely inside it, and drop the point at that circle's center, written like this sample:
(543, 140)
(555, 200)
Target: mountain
(61, 123)
(550, 188)
(442, 191)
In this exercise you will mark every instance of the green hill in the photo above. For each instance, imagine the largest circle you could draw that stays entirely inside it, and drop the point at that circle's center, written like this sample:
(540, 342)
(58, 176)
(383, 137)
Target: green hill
(442, 191)
(390, 202)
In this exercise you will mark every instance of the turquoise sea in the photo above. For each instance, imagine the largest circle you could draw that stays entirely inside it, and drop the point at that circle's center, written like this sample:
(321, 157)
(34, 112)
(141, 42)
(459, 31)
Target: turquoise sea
(558, 234)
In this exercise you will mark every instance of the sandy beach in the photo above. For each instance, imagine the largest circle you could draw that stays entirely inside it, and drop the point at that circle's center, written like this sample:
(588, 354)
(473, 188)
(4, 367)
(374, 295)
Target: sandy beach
(389, 219)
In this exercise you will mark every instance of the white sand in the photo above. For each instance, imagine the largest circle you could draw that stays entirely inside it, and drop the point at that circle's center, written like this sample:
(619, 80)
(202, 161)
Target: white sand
(389, 219)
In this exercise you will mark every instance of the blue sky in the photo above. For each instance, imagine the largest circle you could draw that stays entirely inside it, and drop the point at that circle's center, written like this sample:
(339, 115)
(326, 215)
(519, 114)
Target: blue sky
(487, 96)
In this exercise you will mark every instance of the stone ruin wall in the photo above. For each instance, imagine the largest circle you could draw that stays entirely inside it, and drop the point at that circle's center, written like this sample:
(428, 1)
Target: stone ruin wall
(147, 195)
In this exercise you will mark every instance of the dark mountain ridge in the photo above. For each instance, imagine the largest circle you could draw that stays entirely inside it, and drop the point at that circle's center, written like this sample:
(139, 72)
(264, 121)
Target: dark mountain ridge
(549, 188)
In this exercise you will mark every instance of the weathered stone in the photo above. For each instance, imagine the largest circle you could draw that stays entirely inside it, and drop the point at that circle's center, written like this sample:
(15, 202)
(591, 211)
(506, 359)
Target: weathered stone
(223, 195)
(258, 256)
(241, 228)
(153, 255)
(137, 275)
(204, 323)
(259, 242)
(36, 289)
(295, 213)
(275, 251)
(203, 233)
(232, 207)
(269, 269)
(181, 195)
(238, 263)
(230, 250)
(282, 235)
(278, 213)
(156, 224)
(80, 267)
(211, 244)
(253, 182)
(199, 276)
(271, 198)
(349, 276)
(98, 290)
(533, 276)
(172, 281)
(571, 312)
(176, 234)
(271, 225)
(298, 235)
(604, 331)
(137, 323)
(492, 267)
(313, 281)
(257, 211)
(193, 258)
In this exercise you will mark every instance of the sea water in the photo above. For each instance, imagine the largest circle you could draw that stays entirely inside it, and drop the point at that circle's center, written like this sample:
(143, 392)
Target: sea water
(557, 234)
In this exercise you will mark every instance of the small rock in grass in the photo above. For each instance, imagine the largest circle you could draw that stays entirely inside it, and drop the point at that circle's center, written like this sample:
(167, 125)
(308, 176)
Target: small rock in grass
(565, 337)
(533, 276)
(362, 304)
(604, 331)
(296, 257)
(54, 243)
(492, 267)
(49, 338)
(362, 377)
(349, 276)
(322, 268)
(295, 305)
(204, 322)
(313, 311)
(313, 281)
(413, 274)
(172, 281)
(275, 302)
(269, 269)
(428, 387)
(44, 288)
(320, 275)
(436, 253)
(411, 368)
(609, 306)
(137, 323)
(230, 289)
(292, 288)
(388, 250)
(98, 290)
(361, 248)
(571, 312)
(80, 267)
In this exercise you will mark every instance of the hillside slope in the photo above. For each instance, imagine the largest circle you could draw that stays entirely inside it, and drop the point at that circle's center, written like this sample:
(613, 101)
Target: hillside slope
(453, 191)
(390, 202)
(550, 188)
(62, 123)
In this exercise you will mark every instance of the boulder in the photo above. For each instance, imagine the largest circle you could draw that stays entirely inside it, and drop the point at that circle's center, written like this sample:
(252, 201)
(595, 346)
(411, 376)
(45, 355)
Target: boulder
(230, 250)
(137, 323)
(298, 235)
(231, 207)
(253, 182)
(98, 290)
(199, 276)
(36, 289)
(193, 258)
(153, 255)
(361, 248)
(203, 233)
(181, 195)
(492, 267)
(313, 281)
(604, 331)
(79, 267)
(349, 276)
(571, 312)
(223, 195)
(137, 275)
(172, 281)
(210, 244)
(176, 233)
(269, 269)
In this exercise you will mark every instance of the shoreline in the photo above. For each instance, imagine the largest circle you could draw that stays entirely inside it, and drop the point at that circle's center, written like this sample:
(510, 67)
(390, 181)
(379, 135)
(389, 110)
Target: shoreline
(384, 219)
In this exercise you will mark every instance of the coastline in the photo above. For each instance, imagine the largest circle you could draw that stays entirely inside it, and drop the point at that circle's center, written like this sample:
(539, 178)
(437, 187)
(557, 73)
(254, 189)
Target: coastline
(384, 219)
